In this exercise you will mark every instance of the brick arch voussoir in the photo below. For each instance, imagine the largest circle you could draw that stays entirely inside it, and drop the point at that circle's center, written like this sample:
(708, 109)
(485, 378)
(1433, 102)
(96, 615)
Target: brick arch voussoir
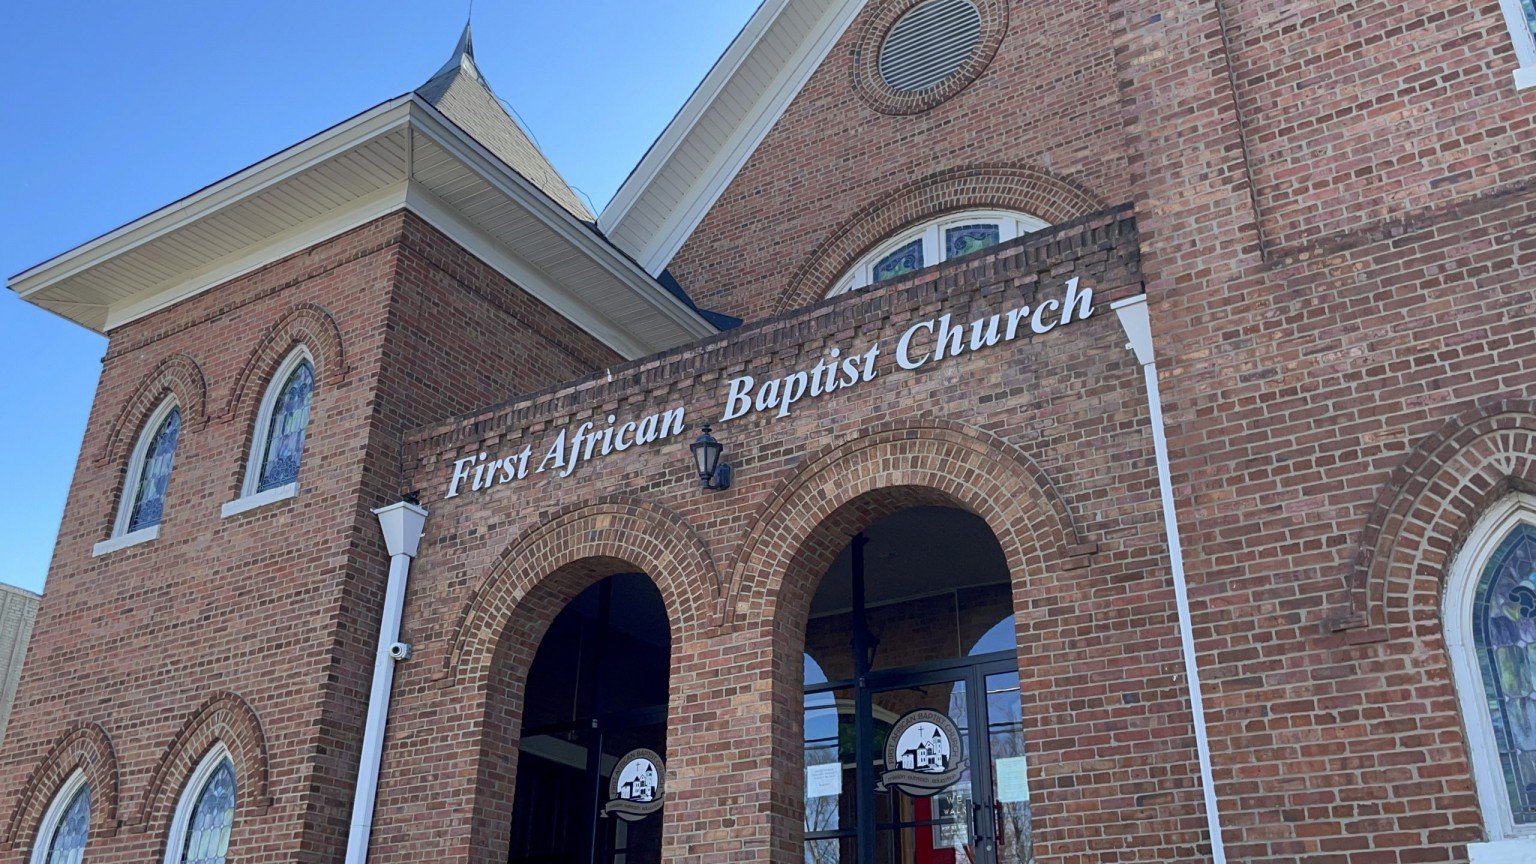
(177, 375)
(644, 535)
(1427, 507)
(224, 719)
(945, 462)
(1023, 188)
(87, 747)
(305, 324)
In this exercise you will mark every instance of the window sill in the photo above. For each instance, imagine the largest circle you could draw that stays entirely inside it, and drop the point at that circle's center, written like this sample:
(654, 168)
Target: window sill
(1503, 852)
(259, 499)
(123, 541)
(1525, 78)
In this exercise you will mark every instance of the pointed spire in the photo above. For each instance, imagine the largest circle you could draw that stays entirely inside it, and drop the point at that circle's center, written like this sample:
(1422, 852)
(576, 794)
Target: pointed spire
(463, 55)
(463, 95)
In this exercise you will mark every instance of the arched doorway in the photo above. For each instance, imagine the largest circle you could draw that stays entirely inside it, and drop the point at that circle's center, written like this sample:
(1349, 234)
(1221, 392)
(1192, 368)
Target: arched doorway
(913, 745)
(590, 758)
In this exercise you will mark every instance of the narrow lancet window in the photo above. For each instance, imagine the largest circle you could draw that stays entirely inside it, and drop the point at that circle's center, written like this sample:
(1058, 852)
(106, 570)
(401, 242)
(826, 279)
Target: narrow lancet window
(1504, 631)
(284, 439)
(66, 839)
(155, 473)
(212, 818)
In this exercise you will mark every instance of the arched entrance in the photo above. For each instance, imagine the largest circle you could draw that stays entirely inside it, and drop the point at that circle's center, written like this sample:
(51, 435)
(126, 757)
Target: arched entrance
(913, 736)
(590, 762)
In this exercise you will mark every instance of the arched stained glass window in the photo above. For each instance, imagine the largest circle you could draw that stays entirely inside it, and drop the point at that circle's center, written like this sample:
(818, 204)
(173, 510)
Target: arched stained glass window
(943, 239)
(1504, 632)
(212, 818)
(284, 447)
(67, 843)
(155, 473)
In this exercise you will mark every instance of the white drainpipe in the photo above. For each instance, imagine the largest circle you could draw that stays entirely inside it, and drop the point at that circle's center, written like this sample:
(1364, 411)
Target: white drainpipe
(1138, 326)
(402, 523)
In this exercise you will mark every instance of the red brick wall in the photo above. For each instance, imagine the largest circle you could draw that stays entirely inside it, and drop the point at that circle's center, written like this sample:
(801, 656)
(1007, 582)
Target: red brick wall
(137, 649)
(1307, 386)
(1004, 434)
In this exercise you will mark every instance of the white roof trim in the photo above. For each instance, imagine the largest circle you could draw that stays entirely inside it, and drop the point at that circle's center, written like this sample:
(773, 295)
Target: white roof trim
(728, 160)
(294, 240)
(344, 136)
(579, 233)
(666, 320)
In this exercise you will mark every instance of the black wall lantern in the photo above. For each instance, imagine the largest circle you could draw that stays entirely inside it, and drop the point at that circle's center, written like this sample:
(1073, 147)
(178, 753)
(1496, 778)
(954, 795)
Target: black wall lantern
(713, 473)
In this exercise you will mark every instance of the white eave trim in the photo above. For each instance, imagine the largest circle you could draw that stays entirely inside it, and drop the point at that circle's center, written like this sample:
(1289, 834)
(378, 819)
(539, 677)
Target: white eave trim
(411, 112)
(344, 136)
(707, 188)
(689, 115)
(580, 234)
(294, 240)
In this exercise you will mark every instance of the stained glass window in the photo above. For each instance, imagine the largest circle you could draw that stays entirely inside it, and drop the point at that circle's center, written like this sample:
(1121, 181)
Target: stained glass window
(212, 817)
(149, 496)
(285, 437)
(1504, 630)
(67, 845)
(902, 261)
(965, 239)
(1530, 14)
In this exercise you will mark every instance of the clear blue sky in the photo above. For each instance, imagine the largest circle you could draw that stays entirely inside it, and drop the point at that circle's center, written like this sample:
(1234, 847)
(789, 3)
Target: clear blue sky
(116, 109)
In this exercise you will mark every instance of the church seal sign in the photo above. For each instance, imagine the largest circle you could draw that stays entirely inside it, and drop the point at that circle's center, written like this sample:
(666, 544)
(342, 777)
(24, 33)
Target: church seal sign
(635, 791)
(923, 756)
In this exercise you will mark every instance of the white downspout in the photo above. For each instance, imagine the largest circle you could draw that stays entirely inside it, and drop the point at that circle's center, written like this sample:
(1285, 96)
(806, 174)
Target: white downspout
(401, 523)
(1138, 326)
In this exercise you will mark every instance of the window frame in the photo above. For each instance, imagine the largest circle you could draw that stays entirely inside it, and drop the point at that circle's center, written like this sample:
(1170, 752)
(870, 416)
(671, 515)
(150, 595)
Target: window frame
(191, 791)
(1525, 43)
(42, 844)
(1012, 225)
(1460, 595)
(261, 439)
(121, 537)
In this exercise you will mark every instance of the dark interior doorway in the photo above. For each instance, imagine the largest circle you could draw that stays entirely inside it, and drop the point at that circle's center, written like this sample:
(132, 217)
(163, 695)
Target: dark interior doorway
(597, 690)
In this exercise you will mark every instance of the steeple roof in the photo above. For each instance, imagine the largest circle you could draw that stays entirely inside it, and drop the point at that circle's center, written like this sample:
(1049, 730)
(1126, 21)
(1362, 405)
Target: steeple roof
(462, 94)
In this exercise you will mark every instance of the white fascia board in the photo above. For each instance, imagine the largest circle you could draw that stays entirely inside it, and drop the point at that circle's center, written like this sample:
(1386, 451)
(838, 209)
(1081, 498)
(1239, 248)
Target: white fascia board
(689, 115)
(294, 240)
(344, 136)
(728, 161)
(430, 122)
(450, 222)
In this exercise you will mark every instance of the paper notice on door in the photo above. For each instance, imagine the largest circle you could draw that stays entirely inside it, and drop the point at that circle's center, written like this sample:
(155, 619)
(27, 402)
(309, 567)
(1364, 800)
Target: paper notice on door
(823, 781)
(1012, 780)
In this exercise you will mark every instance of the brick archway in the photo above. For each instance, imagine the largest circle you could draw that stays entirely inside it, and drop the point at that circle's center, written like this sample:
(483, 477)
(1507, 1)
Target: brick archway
(85, 747)
(1023, 188)
(306, 324)
(503, 624)
(177, 375)
(802, 529)
(1426, 509)
(840, 492)
(224, 719)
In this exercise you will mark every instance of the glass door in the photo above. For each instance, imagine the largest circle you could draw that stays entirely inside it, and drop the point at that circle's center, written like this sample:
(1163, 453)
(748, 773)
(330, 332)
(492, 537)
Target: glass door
(919, 766)
(924, 779)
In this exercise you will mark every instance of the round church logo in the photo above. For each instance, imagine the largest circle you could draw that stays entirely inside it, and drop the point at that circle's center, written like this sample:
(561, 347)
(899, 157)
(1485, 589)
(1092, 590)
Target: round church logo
(635, 791)
(923, 755)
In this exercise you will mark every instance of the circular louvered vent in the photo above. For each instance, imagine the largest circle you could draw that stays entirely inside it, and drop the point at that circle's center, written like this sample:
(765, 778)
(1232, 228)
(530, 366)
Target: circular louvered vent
(929, 43)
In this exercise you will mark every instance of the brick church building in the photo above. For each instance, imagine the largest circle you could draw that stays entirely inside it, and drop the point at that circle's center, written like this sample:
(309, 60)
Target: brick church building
(977, 431)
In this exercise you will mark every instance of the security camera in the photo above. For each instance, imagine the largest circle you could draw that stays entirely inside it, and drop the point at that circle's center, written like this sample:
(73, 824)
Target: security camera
(400, 651)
